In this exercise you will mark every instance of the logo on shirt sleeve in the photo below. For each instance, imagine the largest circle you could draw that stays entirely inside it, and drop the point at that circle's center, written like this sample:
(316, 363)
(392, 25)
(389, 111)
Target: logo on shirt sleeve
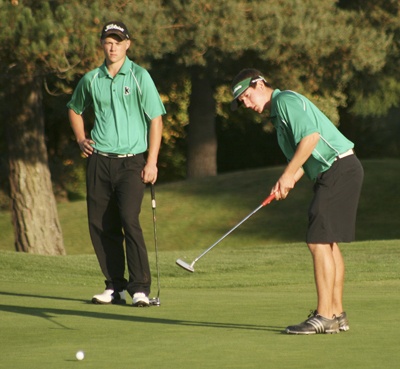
(127, 90)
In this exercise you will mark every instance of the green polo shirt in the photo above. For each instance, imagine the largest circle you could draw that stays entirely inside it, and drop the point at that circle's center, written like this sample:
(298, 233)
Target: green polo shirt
(123, 107)
(295, 117)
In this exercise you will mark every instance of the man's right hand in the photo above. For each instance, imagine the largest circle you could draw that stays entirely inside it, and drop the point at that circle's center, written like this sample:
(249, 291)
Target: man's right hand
(86, 146)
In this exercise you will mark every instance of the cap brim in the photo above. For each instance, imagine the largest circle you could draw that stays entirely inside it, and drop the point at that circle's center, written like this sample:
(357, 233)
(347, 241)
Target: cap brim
(116, 33)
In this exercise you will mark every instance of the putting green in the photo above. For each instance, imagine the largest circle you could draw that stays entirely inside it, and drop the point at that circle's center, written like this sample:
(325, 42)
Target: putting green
(206, 319)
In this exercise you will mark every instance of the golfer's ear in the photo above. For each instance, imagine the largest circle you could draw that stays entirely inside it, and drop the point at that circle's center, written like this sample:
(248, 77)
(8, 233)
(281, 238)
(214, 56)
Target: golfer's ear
(261, 85)
(128, 43)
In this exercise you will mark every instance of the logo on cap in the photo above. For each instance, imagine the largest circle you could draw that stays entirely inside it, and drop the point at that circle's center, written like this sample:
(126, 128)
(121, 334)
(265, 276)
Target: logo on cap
(114, 26)
(237, 88)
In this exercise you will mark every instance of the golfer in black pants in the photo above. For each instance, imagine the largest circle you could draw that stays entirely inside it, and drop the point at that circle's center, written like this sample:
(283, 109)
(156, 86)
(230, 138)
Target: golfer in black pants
(128, 122)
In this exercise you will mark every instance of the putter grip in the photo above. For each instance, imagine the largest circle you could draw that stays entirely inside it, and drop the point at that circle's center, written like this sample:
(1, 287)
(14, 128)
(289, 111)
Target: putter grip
(153, 196)
(268, 199)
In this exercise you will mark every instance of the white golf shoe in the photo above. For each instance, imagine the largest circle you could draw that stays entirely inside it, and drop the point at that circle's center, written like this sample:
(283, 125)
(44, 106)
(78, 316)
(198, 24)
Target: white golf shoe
(140, 300)
(109, 297)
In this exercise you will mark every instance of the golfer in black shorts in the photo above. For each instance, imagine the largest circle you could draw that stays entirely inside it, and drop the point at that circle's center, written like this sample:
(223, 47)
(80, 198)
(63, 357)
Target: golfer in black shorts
(314, 146)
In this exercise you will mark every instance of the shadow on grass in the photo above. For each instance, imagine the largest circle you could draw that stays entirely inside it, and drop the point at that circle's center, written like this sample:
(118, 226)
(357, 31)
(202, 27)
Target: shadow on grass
(50, 313)
(41, 297)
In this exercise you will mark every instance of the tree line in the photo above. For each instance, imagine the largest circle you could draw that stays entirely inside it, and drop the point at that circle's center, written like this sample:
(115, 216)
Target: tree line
(344, 55)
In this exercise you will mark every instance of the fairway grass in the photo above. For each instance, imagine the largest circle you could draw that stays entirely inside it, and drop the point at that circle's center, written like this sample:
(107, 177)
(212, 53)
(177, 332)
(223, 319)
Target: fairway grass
(230, 313)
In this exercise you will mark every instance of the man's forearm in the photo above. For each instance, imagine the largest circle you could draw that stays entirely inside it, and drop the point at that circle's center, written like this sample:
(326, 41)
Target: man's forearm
(303, 152)
(77, 125)
(155, 137)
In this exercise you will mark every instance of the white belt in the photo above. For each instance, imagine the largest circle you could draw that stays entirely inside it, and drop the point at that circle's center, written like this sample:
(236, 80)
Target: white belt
(110, 155)
(347, 153)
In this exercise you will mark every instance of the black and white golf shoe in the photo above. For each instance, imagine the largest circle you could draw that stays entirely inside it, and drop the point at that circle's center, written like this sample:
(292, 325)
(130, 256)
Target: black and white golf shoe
(315, 324)
(110, 297)
(140, 300)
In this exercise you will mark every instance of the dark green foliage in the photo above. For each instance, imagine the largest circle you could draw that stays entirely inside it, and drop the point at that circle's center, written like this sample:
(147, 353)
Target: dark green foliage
(340, 54)
(374, 94)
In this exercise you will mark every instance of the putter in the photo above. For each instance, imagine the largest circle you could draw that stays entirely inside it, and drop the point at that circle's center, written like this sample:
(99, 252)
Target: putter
(190, 267)
(155, 301)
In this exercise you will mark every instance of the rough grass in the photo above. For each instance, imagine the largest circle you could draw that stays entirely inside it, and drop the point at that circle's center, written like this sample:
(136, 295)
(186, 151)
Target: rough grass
(194, 214)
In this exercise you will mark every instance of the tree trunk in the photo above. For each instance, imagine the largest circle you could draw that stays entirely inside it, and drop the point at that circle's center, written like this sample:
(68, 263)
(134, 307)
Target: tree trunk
(202, 139)
(34, 212)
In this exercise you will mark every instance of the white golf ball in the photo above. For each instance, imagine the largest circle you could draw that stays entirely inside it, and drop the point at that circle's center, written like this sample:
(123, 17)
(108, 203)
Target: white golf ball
(80, 355)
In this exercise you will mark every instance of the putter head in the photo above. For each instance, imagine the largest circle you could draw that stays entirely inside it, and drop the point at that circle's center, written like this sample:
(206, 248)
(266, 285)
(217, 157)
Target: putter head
(185, 266)
(155, 301)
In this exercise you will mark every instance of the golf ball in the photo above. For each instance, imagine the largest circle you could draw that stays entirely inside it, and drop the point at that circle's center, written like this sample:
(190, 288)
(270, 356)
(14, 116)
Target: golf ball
(80, 355)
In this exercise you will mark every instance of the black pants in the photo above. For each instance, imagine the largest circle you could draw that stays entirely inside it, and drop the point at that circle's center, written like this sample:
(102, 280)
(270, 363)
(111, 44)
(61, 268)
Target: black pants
(114, 198)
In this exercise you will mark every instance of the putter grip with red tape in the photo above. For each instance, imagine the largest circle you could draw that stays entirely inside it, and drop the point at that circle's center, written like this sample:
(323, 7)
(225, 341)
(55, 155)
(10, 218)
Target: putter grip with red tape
(268, 199)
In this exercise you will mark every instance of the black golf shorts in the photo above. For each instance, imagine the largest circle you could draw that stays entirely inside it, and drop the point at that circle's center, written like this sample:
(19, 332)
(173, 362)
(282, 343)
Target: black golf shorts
(332, 212)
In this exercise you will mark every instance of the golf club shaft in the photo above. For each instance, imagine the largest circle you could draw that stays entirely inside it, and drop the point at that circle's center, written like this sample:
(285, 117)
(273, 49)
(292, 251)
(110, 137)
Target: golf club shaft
(265, 202)
(153, 206)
